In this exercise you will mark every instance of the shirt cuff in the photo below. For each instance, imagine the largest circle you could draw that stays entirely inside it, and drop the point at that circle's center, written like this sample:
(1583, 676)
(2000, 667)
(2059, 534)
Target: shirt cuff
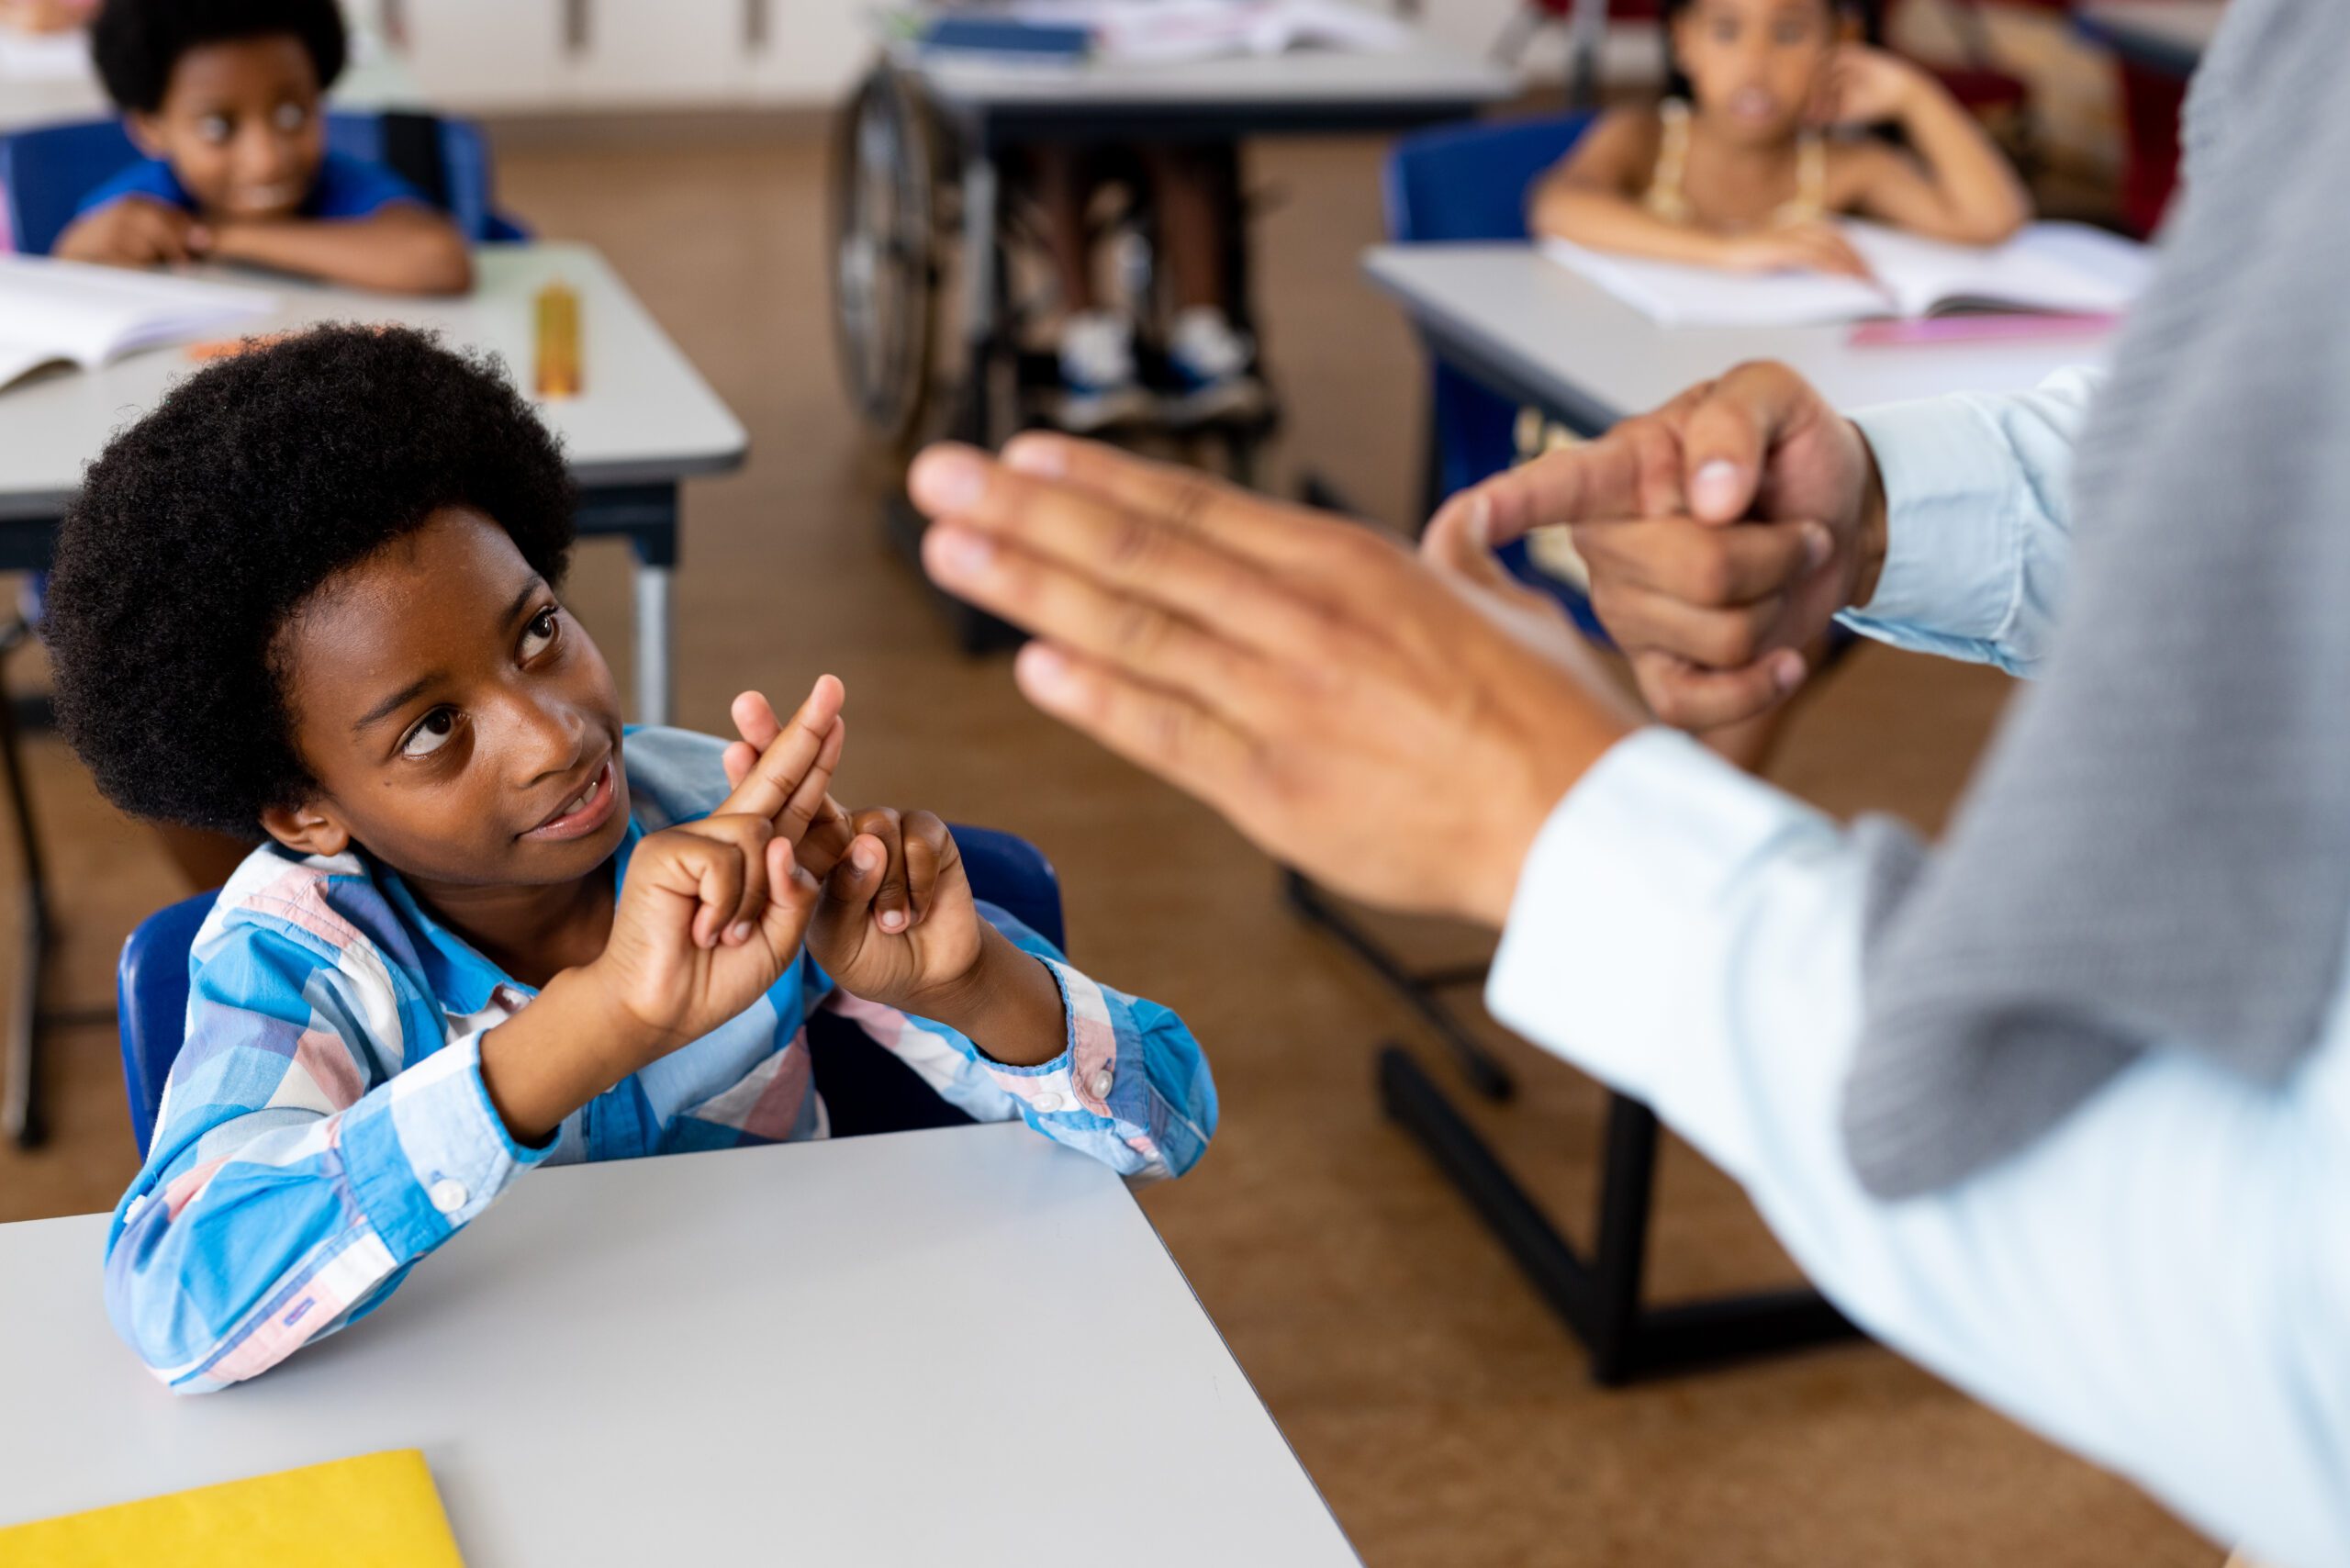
(1950, 551)
(1620, 904)
(434, 1153)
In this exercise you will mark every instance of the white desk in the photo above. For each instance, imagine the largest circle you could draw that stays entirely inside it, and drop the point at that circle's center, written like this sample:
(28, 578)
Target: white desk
(963, 1347)
(1536, 331)
(1406, 81)
(2168, 36)
(44, 80)
(645, 421)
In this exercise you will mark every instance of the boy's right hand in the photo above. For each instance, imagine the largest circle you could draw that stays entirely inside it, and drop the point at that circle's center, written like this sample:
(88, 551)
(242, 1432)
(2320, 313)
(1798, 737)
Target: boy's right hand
(135, 231)
(1799, 247)
(712, 912)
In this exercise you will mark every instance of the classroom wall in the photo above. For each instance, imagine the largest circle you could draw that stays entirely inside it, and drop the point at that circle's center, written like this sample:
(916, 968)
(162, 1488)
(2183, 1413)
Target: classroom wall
(565, 56)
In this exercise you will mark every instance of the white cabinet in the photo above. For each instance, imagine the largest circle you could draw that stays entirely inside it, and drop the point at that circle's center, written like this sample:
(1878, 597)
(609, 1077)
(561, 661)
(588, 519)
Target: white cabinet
(668, 53)
(814, 50)
(472, 55)
(519, 56)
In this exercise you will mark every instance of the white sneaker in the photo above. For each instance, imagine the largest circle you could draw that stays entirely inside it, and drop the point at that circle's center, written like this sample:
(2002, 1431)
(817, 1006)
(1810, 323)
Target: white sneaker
(1214, 364)
(1098, 381)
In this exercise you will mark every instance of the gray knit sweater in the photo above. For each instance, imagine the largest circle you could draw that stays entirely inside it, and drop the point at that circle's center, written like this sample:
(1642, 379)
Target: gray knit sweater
(2155, 854)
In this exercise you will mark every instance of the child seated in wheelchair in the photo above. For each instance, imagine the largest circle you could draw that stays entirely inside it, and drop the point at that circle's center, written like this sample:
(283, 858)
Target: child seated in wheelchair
(225, 98)
(315, 592)
(1743, 167)
(1211, 364)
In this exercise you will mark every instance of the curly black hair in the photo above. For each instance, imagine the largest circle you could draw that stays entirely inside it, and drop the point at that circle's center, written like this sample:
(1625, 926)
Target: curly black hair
(203, 528)
(134, 43)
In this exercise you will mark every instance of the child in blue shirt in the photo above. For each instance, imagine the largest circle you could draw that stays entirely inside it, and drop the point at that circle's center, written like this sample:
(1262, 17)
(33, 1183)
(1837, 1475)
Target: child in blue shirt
(225, 98)
(315, 592)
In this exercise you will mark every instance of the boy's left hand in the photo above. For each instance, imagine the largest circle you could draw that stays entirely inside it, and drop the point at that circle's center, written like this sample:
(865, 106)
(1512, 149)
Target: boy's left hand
(896, 924)
(1867, 87)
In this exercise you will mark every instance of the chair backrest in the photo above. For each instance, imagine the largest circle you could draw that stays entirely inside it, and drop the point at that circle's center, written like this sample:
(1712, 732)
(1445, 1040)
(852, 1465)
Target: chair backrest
(1470, 182)
(150, 1004)
(151, 983)
(46, 171)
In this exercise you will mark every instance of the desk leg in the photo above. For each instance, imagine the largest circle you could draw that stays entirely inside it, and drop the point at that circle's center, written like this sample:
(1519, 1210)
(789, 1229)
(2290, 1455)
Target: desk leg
(1599, 1298)
(654, 684)
(646, 516)
(21, 1112)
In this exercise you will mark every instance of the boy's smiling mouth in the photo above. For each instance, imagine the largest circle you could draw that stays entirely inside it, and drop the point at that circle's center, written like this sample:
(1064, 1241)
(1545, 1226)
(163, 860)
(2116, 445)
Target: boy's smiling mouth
(582, 813)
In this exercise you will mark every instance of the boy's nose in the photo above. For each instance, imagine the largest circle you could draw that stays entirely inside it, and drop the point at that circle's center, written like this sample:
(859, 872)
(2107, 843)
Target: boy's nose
(549, 739)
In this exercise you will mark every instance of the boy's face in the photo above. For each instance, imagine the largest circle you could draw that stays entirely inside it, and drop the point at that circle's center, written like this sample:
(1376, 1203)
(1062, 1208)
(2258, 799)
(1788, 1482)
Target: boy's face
(240, 127)
(461, 727)
(1754, 66)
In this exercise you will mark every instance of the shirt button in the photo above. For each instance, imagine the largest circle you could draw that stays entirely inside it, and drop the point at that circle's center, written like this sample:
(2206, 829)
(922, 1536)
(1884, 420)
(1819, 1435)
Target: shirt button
(1101, 1082)
(448, 1195)
(1048, 1101)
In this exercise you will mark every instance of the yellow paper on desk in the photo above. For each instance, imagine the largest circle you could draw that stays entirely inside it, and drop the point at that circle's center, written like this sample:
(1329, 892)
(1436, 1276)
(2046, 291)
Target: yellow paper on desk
(377, 1511)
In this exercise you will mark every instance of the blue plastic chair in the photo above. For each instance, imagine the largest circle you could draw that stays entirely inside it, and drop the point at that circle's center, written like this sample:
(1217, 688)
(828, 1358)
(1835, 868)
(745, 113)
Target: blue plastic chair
(46, 171)
(865, 1090)
(1467, 184)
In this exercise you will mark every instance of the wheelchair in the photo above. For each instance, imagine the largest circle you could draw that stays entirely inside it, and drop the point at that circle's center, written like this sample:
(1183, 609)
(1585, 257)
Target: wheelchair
(940, 289)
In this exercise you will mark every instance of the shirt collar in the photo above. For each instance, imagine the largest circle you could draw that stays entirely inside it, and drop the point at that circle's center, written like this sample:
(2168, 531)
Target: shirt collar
(462, 979)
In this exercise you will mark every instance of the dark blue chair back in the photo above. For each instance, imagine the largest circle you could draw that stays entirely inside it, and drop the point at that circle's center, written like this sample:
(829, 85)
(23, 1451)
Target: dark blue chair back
(865, 1090)
(46, 171)
(1467, 184)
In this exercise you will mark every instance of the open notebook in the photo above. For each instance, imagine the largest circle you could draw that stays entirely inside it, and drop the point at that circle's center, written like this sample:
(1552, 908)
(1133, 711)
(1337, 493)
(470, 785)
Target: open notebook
(1172, 33)
(2066, 268)
(62, 312)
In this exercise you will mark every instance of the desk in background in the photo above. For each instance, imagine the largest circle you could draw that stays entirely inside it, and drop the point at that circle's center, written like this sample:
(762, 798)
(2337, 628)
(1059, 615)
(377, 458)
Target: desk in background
(1538, 333)
(964, 1346)
(903, 228)
(646, 421)
(1541, 334)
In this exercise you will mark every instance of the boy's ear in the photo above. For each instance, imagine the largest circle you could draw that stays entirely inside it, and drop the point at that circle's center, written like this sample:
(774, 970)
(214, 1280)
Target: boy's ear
(308, 828)
(146, 132)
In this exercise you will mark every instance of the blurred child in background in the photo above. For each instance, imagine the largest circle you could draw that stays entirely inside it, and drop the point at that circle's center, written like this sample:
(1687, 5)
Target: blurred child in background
(1745, 168)
(226, 97)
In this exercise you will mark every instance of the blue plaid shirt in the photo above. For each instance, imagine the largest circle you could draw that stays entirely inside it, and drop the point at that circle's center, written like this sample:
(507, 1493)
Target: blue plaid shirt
(326, 1125)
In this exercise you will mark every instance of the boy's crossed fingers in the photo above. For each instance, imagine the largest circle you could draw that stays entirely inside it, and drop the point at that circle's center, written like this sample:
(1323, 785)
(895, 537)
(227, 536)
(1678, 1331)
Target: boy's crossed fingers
(782, 770)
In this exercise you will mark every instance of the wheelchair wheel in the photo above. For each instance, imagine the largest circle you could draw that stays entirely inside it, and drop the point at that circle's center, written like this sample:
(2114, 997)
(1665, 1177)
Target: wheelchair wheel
(884, 254)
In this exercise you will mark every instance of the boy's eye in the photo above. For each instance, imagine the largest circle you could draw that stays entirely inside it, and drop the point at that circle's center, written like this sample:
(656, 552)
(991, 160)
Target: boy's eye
(1792, 32)
(291, 116)
(431, 733)
(539, 635)
(213, 128)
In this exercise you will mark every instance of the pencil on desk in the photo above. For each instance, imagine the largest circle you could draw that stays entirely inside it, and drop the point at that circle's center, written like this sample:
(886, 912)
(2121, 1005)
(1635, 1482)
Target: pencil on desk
(558, 342)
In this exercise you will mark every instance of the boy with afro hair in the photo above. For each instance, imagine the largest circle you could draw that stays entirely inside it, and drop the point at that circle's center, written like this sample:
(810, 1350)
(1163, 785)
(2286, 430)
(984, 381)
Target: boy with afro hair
(315, 593)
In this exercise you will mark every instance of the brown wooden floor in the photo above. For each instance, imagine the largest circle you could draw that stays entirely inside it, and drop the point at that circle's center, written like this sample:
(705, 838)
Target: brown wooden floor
(1443, 1413)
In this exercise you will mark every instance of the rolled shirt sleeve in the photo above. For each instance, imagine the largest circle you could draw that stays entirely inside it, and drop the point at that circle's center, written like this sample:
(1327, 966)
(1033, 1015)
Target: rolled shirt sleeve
(1978, 520)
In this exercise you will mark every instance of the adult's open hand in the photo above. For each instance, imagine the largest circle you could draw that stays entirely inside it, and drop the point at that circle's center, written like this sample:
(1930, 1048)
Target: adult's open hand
(1396, 730)
(1722, 532)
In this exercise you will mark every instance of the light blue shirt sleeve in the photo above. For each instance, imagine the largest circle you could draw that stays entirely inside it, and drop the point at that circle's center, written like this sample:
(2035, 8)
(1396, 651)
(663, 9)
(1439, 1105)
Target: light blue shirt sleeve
(2160, 1284)
(1130, 1086)
(1979, 529)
